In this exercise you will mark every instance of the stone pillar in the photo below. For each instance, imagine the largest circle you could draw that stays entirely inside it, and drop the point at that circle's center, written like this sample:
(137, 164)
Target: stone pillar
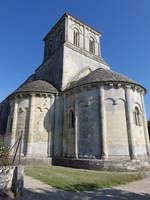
(129, 119)
(146, 135)
(14, 122)
(76, 124)
(103, 128)
(31, 124)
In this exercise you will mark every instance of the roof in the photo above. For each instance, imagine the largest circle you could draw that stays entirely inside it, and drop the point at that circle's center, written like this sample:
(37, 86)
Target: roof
(103, 75)
(36, 86)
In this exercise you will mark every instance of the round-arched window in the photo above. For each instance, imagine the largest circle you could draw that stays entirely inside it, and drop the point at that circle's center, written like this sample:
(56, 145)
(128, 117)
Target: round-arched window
(91, 45)
(76, 37)
(71, 119)
(137, 116)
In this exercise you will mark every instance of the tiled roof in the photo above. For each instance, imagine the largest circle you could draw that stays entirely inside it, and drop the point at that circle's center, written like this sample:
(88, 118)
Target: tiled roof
(102, 75)
(36, 86)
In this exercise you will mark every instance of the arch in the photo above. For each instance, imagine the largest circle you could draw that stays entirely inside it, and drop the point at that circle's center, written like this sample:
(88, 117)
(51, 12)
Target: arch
(137, 105)
(75, 26)
(71, 119)
(112, 100)
(90, 35)
(91, 45)
(40, 109)
(76, 37)
(46, 109)
(20, 110)
(120, 99)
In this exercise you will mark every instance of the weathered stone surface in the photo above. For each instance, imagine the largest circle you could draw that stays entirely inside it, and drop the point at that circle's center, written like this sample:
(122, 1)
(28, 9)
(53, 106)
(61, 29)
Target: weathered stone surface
(11, 179)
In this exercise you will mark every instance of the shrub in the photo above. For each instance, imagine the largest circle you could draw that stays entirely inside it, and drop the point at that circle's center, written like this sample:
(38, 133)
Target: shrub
(4, 155)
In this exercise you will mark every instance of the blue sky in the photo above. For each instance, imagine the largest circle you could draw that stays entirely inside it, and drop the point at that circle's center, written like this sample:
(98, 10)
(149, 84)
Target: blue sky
(125, 41)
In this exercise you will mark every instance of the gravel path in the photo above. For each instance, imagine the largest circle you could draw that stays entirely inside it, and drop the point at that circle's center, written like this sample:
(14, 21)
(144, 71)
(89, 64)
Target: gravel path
(36, 190)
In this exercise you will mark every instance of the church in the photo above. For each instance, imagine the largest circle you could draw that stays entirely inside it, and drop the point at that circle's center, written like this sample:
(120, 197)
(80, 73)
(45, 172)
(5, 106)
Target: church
(74, 109)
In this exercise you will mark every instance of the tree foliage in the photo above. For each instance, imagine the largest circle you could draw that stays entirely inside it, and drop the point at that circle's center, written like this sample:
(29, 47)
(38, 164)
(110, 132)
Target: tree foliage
(4, 155)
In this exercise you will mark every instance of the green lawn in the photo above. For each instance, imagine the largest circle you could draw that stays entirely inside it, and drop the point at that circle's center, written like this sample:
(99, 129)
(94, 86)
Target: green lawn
(78, 180)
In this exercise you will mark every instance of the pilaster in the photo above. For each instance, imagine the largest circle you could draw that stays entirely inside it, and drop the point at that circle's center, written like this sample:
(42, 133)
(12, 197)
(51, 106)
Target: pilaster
(76, 124)
(146, 135)
(31, 124)
(50, 130)
(129, 119)
(103, 129)
(14, 122)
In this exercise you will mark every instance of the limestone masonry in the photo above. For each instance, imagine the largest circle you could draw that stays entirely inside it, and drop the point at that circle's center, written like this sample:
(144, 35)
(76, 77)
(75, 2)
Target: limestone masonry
(73, 107)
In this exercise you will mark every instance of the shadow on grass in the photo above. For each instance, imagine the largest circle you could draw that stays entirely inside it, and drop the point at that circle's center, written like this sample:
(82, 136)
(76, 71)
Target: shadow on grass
(106, 194)
(80, 187)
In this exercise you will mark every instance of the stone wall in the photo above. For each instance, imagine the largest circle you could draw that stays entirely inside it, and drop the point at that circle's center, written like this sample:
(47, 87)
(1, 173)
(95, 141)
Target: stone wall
(117, 136)
(51, 70)
(75, 61)
(12, 179)
(58, 130)
(138, 130)
(32, 116)
(88, 123)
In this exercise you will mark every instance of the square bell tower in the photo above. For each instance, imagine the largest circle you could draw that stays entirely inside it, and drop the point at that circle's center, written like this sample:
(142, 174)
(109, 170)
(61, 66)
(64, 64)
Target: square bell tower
(71, 46)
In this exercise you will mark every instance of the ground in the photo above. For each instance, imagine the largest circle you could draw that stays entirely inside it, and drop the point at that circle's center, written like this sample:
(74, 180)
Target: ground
(137, 190)
(36, 190)
(77, 180)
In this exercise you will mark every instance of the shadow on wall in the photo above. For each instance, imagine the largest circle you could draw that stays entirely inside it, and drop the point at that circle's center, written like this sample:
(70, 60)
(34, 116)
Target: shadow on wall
(106, 194)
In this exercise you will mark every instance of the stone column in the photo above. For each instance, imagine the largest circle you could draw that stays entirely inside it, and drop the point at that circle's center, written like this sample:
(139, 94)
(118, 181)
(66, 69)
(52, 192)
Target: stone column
(14, 122)
(129, 119)
(76, 124)
(31, 124)
(103, 128)
(146, 135)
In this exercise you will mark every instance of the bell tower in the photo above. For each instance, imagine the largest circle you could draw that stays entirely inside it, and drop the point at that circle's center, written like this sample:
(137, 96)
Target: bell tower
(70, 47)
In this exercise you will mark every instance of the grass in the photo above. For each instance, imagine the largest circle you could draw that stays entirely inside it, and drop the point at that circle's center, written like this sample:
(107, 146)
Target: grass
(69, 179)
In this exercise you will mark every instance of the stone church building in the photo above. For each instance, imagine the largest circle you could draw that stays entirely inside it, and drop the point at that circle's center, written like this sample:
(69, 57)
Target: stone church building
(74, 108)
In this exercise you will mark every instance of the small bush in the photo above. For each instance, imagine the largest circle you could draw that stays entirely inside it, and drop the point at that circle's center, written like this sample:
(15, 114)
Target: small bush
(4, 155)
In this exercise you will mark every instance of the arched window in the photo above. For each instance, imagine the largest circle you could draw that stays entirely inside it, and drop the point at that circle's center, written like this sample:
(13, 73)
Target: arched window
(137, 117)
(91, 45)
(76, 37)
(71, 119)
